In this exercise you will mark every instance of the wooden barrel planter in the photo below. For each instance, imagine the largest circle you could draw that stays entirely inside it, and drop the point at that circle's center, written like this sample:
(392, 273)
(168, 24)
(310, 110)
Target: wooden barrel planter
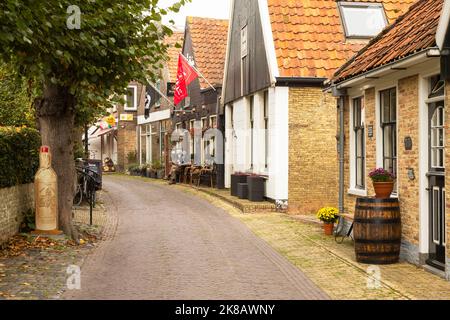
(377, 231)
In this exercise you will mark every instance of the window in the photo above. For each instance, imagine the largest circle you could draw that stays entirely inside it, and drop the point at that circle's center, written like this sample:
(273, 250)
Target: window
(362, 20)
(131, 98)
(213, 122)
(266, 128)
(204, 123)
(146, 144)
(358, 128)
(388, 104)
(437, 128)
(191, 143)
(252, 125)
(204, 142)
(437, 138)
(244, 43)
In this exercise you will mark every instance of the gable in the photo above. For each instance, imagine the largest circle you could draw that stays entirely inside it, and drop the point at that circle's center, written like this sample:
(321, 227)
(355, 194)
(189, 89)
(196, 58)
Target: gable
(247, 71)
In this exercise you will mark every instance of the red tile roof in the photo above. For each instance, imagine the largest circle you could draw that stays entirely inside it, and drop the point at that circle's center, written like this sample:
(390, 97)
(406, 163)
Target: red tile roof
(173, 53)
(309, 37)
(209, 41)
(411, 33)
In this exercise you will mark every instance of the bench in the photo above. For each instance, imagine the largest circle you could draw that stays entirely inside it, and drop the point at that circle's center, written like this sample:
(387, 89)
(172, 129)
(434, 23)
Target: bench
(338, 235)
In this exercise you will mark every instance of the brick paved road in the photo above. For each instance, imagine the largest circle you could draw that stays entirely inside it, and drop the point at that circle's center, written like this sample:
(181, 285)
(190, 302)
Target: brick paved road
(172, 245)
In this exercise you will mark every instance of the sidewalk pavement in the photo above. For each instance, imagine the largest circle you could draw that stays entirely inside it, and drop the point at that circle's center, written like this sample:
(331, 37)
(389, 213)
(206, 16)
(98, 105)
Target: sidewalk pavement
(36, 268)
(332, 266)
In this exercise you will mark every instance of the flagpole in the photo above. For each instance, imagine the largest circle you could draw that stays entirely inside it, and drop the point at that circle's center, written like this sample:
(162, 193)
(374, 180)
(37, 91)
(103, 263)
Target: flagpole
(199, 73)
(162, 94)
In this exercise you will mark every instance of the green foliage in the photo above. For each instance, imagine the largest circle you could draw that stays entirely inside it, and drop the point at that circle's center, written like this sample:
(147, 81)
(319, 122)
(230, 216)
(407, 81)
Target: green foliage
(29, 221)
(79, 151)
(132, 157)
(134, 169)
(157, 165)
(118, 42)
(15, 101)
(19, 155)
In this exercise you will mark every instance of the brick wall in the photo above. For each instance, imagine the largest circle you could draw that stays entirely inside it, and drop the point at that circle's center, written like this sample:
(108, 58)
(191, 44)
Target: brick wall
(408, 126)
(14, 202)
(126, 143)
(313, 165)
(126, 133)
(371, 146)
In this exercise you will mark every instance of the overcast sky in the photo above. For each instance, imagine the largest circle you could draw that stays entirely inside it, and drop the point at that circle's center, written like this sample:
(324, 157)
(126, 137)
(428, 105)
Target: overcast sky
(198, 8)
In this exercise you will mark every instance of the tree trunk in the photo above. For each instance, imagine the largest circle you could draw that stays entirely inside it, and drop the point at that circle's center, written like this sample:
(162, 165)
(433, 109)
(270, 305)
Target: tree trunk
(56, 116)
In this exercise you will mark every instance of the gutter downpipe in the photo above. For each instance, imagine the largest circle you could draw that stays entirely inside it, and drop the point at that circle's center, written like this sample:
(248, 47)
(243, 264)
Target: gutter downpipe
(340, 94)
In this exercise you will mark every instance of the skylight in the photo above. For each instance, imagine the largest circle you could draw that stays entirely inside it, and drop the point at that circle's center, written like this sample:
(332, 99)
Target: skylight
(362, 20)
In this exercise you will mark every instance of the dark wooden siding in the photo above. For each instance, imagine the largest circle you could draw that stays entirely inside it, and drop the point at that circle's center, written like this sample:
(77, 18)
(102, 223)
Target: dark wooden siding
(256, 74)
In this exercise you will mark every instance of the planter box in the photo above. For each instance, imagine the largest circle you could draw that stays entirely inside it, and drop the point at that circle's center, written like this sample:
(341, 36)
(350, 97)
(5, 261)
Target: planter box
(235, 179)
(242, 191)
(256, 188)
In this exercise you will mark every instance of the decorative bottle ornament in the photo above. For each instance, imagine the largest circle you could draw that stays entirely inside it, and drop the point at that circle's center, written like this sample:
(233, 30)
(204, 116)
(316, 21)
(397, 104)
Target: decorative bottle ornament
(46, 195)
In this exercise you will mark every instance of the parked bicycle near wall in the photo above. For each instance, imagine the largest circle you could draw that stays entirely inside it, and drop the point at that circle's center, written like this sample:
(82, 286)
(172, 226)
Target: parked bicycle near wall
(88, 182)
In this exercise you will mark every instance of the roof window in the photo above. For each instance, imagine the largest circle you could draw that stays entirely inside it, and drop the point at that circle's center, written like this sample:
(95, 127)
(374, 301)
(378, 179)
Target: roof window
(362, 20)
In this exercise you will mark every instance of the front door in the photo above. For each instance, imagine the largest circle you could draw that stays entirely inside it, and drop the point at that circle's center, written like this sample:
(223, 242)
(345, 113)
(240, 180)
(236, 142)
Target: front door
(436, 178)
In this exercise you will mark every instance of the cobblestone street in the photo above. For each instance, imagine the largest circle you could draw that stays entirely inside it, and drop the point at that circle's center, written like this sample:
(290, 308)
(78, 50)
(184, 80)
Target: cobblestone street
(172, 245)
(332, 266)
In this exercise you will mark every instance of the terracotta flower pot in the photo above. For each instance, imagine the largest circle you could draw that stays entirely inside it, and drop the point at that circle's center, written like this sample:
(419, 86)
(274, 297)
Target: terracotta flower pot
(328, 228)
(383, 190)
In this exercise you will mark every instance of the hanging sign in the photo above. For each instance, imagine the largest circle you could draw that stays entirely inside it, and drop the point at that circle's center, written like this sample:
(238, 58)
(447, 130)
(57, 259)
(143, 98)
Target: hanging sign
(126, 117)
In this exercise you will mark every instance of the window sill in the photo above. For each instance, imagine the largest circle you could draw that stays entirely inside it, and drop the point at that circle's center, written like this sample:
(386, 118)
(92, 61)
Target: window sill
(357, 192)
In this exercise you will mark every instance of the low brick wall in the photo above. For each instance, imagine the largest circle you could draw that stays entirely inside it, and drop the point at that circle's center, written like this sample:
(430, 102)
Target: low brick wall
(13, 203)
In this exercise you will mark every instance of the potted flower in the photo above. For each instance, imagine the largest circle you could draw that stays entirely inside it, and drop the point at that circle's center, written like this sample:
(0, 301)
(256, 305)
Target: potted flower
(383, 182)
(328, 216)
(159, 169)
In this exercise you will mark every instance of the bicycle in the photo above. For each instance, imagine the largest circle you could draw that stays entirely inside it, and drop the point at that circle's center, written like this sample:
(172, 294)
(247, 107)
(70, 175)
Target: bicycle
(87, 185)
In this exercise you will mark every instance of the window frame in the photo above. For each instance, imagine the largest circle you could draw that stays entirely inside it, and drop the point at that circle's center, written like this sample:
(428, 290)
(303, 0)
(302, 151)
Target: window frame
(135, 100)
(356, 129)
(346, 4)
(389, 124)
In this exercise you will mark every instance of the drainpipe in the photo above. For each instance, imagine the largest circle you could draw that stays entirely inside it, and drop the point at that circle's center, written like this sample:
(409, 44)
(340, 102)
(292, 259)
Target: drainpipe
(340, 94)
(341, 153)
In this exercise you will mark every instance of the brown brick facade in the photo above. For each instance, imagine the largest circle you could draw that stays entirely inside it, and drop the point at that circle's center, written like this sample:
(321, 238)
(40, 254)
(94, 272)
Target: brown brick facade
(371, 147)
(408, 126)
(313, 164)
(408, 120)
(127, 131)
